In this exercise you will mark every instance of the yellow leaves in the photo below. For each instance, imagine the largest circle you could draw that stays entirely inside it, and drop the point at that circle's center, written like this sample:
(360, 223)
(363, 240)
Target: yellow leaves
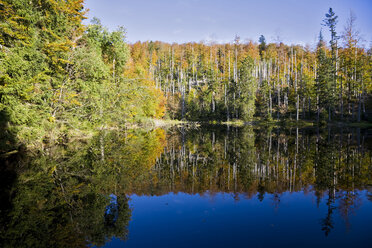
(73, 95)
(50, 32)
(52, 170)
(161, 102)
(54, 47)
(128, 136)
(77, 188)
(64, 61)
(51, 119)
(11, 25)
(75, 102)
(133, 113)
(56, 51)
(160, 136)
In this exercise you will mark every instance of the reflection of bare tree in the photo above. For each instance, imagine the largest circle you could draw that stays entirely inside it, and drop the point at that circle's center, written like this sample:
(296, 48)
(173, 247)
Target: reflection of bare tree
(265, 162)
(319, 197)
(248, 160)
(349, 202)
(369, 193)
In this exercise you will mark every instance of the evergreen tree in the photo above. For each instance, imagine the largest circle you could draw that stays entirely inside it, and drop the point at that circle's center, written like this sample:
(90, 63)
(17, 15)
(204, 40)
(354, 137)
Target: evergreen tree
(331, 21)
(262, 45)
(324, 78)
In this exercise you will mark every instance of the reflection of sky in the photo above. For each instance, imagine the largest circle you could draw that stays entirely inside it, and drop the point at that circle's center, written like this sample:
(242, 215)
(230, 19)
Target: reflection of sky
(219, 220)
(295, 21)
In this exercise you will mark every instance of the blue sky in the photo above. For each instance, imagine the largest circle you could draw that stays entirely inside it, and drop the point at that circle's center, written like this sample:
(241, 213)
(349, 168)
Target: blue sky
(293, 21)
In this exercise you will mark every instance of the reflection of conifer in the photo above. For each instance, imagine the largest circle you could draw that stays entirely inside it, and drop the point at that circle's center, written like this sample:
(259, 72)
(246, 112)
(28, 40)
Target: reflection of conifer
(327, 222)
(261, 192)
(276, 200)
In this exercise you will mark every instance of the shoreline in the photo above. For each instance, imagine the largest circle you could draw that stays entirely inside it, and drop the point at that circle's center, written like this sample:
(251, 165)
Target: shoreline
(60, 136)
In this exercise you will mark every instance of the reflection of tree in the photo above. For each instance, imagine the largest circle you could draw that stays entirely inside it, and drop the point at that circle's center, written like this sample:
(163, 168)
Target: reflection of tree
(369, 193)
(60, 199)
(44, 215)
(276, 200)
(256, 162)
(261, 192)
(327, 222)
(8, 176)
(349, 202)
(243, 160)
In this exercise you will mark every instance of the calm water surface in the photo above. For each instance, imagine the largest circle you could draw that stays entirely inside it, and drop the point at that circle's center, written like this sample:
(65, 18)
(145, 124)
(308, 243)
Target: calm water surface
(212, 186)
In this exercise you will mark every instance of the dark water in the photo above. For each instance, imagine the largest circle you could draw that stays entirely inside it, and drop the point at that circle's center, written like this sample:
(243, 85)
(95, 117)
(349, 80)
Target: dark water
(205, 187)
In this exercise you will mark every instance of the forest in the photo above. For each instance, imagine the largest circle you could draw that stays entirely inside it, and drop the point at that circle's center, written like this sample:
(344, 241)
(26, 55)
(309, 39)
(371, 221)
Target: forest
(60, 78)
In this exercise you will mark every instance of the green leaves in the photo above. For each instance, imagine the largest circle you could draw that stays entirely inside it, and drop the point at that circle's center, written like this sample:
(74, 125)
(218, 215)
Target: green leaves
(53, 74)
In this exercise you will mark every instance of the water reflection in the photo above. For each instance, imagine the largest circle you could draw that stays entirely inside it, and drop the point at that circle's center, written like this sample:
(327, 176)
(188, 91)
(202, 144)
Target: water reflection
(76, 194)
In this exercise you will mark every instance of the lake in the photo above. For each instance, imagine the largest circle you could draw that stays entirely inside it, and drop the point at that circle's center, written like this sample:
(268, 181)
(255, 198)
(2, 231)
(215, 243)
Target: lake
(207, 186)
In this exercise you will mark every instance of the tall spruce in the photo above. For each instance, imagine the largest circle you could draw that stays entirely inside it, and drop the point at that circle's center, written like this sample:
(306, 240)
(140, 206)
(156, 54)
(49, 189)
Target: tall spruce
(331, 21)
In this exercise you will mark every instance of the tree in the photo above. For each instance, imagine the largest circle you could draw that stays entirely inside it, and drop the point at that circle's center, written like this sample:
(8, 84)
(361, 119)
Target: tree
(331, 21)
(323, 79)
(350, 60)
(248, 88)
(262, 45)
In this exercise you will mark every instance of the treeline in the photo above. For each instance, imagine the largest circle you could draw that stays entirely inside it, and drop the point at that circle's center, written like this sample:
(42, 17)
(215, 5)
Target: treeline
(59, 77)
(57, 74)
(273, 81)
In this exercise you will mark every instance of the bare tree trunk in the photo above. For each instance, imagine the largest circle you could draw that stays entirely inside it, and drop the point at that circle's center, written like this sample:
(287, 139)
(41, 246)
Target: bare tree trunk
(229, 67)
(359, 106)
(213, 103)
(341, 99)
(171, 72)
(226, 104)
(303, 108)
(297, 107)
(183, 102)
(270, 103)
(279, 103)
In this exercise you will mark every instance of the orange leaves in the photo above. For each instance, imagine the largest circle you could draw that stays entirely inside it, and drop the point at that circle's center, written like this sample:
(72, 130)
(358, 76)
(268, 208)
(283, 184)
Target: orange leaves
(161, 102)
